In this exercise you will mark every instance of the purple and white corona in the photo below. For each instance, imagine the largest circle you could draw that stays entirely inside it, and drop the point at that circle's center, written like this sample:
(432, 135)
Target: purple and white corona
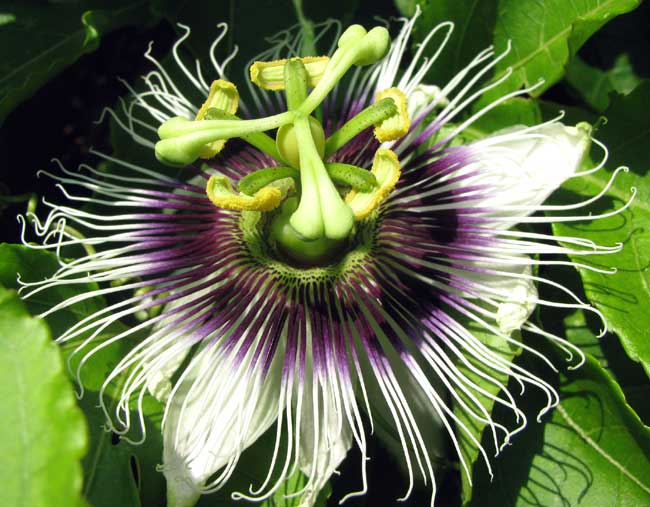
(326, 254)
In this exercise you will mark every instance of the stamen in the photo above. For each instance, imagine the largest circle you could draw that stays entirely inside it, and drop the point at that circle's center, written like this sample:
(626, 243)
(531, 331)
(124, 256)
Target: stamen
(341, 174)
(351, 176)
(255, 181)
(395, 126)
(220, 192)
(224, 97)
(271, 75)
(372, 115)
(386, 169)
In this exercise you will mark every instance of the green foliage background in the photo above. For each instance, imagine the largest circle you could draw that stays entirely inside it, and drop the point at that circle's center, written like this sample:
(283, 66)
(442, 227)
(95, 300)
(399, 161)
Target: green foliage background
(58, 67)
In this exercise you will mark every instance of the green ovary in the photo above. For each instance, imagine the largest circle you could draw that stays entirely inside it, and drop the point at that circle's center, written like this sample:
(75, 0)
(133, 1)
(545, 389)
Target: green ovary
(293, 246)
(287, 142)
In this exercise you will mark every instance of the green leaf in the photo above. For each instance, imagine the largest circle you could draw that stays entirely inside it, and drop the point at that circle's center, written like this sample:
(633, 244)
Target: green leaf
(516, 111)
(582, 330)
(117, 472)
(593, 450)
(39, 40)
(623, 297)
(109, 479)
(545, 35)
(594, 85)
(35, 265)
(43, 434)
(627, 132)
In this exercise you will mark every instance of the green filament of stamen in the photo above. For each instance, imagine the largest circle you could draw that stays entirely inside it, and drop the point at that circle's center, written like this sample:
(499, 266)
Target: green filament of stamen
(351, 176)
(341, 174)
(370, 116)
(255, 181)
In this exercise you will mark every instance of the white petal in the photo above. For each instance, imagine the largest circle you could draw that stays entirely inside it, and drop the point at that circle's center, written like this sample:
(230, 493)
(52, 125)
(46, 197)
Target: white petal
(325, 437)
(161, 369)
(523, 166)
(217, 410)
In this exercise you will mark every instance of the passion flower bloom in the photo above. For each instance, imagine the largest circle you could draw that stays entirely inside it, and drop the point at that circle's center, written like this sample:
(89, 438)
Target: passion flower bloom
(330, 250)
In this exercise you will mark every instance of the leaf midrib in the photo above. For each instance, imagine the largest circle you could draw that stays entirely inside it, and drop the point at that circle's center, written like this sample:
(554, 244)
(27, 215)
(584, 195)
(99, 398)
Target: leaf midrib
(618, 193)
(630, 140)
(544, 47)
(40, 56)
(470, 15)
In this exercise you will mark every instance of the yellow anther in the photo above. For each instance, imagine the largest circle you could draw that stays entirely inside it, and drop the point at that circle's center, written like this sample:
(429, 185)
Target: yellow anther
(270, 75)
(397, 125)
(386, 169)
(222, 195)
(225, 97)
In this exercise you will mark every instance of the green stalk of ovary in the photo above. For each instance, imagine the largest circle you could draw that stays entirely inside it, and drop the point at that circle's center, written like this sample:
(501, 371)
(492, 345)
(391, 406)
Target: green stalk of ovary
(322, 211)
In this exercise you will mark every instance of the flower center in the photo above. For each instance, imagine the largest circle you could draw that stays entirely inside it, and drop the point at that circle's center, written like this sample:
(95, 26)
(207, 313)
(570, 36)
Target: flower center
(312, 204)
(306, 264)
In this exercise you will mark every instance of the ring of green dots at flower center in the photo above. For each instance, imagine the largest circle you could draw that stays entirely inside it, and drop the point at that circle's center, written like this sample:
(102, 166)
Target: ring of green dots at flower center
(357, 256)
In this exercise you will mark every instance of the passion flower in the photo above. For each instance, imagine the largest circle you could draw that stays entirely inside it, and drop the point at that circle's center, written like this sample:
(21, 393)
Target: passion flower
(327, 252)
